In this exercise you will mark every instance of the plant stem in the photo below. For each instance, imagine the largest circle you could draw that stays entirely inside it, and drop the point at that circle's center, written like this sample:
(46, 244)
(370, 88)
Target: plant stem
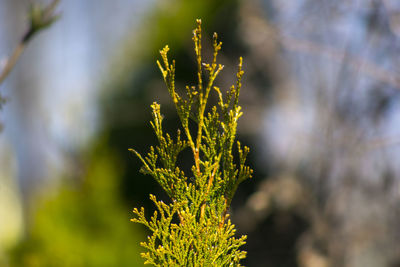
(10, 63)
(38, 22)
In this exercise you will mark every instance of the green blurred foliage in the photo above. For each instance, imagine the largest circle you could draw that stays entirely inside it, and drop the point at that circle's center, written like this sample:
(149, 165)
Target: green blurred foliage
(83, 224)
(137, 81)
(86, 223)
(173, 21)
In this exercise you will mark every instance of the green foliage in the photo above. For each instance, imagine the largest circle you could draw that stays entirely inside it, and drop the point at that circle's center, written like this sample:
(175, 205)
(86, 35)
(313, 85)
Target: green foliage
(194, 229)
(83, 224)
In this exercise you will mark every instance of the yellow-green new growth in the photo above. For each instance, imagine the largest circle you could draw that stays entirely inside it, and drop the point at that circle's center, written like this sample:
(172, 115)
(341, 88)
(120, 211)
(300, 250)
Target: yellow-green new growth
(194, 229)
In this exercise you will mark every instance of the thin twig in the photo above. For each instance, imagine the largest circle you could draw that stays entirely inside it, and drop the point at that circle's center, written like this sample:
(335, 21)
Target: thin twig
(40, 18)
(10, 62)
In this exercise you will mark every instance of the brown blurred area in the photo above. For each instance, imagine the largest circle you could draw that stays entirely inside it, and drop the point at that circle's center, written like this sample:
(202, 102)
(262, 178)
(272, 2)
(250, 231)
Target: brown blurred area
(332, 193)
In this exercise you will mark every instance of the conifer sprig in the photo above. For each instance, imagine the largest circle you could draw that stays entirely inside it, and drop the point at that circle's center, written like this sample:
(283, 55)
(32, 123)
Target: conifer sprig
(203, 234)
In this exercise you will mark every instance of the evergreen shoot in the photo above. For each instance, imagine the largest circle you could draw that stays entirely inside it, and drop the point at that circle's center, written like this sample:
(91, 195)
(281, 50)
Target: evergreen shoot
(194, 229)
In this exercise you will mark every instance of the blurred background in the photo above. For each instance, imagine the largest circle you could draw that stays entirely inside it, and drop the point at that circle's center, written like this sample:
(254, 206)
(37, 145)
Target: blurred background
(321, 101)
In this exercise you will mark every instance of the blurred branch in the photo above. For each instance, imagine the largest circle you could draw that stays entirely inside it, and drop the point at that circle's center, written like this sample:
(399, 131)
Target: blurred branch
(263, 37)
(379, 143)
(40, 18)
(373, 70)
